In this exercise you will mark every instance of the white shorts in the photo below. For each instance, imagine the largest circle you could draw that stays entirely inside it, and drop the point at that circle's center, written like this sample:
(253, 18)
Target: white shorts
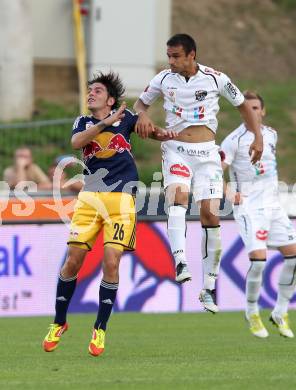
(197, 165)
(266, 227)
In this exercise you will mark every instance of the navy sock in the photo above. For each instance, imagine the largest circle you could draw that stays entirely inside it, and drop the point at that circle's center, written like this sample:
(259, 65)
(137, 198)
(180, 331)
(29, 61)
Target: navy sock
(107, 297)
(65, 290)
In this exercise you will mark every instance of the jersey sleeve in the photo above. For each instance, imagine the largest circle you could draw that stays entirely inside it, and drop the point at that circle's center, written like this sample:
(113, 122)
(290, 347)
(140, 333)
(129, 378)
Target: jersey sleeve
(229, 149)
(229, 90)
(275, 137)
(78, 125)
(132, 119)
(153, 89)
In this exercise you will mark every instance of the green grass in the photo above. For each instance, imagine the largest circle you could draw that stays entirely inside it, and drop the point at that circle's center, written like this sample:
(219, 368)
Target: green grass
(166, 351)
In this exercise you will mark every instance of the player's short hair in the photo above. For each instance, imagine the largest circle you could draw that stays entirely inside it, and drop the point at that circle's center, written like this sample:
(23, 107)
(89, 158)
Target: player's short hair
(113, 84)
(184, 40)
(249, 95)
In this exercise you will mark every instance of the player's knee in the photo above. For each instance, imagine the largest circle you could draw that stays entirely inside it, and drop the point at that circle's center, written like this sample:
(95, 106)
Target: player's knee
(177, 195)
(73, 263)
(111, 268)
(208, 219)
(210, 216)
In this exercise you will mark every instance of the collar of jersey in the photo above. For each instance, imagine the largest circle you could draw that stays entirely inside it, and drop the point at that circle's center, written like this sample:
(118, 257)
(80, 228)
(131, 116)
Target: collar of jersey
(98, 120)
(197, 74)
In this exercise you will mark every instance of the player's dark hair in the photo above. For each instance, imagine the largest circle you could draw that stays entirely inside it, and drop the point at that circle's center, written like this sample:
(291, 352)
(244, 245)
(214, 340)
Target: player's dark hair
(184, 40)
(112, 83)
(250, 95)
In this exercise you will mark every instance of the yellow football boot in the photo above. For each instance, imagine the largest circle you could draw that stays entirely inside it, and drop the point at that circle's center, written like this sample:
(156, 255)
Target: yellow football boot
(256, 326)
(282, 323)
(52, 338)
(97, 343)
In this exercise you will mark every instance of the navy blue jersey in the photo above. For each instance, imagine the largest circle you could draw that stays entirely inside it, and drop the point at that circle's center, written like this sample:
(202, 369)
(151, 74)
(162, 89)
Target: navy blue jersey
(110, 166)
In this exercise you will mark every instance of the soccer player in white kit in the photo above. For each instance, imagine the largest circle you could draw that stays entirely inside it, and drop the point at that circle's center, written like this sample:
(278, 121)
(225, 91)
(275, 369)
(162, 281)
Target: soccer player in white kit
(261, 219)
(191, 161)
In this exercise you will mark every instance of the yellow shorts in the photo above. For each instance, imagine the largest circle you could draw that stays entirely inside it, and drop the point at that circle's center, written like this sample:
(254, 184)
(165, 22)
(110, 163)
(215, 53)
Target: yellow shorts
(115, 211)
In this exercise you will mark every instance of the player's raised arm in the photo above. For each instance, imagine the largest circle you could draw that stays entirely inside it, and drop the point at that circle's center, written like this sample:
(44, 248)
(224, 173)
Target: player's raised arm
(79, 140)
(252, 124)
(144, 125)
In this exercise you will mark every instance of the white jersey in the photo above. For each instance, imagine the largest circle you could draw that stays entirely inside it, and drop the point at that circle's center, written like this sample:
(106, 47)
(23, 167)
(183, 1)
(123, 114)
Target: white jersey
(193, 101)
(257, 183)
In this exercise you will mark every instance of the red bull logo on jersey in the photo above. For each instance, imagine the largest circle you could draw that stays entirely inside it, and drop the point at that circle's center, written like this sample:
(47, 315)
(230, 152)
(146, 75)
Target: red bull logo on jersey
(91, 149)
(180, 170)
(105, 145)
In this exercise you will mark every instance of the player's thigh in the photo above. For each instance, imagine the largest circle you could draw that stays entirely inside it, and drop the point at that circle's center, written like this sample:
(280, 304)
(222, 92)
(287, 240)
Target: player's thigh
(282, 233)
(175, 167)
(209, 212)
(253, 229)
(86, 222)
(207, 182)
(120, 228)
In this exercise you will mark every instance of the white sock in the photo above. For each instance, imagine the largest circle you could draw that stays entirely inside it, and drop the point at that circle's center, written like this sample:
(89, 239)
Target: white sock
(211, 255)
(253, 285)
(177, 232)
(287, 281)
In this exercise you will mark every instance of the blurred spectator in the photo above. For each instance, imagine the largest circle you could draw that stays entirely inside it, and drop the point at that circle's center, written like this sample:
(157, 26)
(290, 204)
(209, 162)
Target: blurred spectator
(65, 182)
(24, 169)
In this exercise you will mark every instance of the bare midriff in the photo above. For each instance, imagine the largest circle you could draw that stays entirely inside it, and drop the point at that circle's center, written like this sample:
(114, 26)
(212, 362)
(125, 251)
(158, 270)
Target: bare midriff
(195, 134)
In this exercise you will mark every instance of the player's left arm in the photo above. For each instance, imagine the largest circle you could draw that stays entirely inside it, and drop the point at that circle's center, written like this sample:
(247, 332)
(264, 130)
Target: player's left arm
(252, 124)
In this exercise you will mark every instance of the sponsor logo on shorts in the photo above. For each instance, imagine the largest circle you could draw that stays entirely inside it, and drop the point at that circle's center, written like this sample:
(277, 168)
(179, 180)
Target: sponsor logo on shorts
(180, 170)
(262, 235)
(200, 95)
(193, 152)
(73, 233)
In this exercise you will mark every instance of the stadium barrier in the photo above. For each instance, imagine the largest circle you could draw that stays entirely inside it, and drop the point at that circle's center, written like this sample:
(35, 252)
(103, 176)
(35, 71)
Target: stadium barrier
(47, 139)
(33, 250)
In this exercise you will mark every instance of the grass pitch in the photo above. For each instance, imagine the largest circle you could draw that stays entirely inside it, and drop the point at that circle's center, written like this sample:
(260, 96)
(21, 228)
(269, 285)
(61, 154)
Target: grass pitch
(160, 351)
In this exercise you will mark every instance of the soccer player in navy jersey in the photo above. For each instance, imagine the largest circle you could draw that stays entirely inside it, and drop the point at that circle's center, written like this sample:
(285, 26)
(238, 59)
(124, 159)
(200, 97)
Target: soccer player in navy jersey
(106, 202)
(191, 161)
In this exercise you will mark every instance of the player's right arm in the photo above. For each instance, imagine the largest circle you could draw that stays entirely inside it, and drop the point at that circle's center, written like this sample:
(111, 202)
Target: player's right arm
(145, 125)
(236, 98)
(83, 137)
